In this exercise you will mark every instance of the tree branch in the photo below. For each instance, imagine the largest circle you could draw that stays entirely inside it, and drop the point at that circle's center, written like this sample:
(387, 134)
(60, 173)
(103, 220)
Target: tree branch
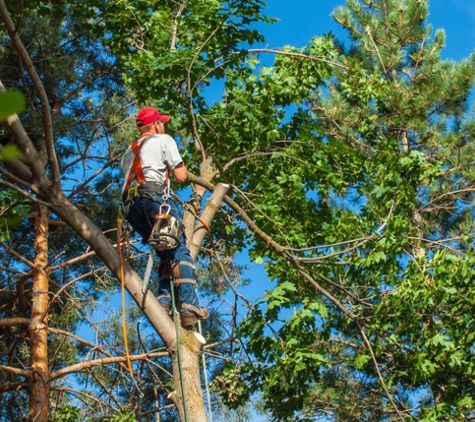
(20, 170)
(15, 371)
(204, 222)
(79, 367)
(22, 192)
(13, 322)
(26, 145)
(295, 54)
(47, 120)
(8, 249)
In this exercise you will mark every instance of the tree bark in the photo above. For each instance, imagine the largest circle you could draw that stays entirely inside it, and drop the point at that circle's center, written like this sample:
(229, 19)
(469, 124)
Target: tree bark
(202, 227)
(39, 379)
(186, 370)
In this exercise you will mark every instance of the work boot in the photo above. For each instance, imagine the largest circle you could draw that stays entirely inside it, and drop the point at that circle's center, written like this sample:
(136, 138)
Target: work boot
(190, 315)
(166, 303)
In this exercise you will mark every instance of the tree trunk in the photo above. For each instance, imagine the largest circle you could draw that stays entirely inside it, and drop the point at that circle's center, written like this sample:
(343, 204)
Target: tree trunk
(39, 381)
(201, 229)
(189, 215)
(188, 396)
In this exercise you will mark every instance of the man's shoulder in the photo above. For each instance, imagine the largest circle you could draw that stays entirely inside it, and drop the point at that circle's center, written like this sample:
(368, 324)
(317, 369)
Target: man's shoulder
(163, 138)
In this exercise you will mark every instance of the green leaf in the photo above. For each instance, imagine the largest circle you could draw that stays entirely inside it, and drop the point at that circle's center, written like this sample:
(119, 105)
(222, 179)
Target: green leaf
(11, 102)
(11, 153)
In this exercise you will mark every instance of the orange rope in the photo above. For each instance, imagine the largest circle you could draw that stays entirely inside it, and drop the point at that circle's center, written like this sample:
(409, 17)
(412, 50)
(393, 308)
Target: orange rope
(204, 224)
(122, 282)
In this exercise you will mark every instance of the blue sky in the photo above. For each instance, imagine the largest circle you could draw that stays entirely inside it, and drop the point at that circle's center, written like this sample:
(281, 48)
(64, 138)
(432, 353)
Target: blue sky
(300, 20)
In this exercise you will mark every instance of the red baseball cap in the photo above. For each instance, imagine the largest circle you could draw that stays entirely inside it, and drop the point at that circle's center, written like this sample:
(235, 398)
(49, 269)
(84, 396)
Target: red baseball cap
(150, 115)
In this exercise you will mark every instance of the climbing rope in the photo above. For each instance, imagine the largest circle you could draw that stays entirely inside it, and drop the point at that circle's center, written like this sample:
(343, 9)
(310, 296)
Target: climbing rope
(166, 195)
(148, 271)
(205, 374)
(122, 282)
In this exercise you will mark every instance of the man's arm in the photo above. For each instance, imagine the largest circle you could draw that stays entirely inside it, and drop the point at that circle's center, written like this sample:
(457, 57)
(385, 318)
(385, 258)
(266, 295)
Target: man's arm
(180, 172)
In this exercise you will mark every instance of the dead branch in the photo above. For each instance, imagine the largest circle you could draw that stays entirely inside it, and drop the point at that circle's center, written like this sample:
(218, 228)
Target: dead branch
(20, 257)
(15, 371)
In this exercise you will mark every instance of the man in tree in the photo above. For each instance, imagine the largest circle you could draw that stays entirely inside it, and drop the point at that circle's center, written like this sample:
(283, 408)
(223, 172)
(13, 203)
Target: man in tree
(146, 165)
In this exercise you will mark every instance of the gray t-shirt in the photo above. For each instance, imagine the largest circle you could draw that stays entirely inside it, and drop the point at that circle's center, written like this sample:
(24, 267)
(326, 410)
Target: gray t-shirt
(158, 152)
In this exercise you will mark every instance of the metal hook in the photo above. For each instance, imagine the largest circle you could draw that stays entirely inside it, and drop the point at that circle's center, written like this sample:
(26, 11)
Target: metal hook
(162, 208)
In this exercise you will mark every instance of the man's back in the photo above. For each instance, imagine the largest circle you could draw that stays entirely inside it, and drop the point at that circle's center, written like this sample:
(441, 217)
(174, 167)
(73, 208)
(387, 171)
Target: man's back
(156, 151)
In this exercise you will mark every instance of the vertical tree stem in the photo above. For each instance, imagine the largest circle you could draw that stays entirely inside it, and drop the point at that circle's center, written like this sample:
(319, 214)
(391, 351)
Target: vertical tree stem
(39, 381)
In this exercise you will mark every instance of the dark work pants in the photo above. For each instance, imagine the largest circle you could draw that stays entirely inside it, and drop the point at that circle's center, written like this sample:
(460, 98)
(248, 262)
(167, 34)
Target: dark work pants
(141, 216)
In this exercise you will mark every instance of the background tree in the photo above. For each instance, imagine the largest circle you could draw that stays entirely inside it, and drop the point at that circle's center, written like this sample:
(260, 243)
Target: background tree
(388, 150)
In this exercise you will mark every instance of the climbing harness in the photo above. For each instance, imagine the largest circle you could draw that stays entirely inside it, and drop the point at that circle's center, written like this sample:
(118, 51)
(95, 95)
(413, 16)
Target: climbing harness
(136, 169)
(167, 229)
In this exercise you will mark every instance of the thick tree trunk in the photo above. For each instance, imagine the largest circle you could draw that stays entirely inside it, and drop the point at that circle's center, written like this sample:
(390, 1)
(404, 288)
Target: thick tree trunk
(186, 369)
(39, 381)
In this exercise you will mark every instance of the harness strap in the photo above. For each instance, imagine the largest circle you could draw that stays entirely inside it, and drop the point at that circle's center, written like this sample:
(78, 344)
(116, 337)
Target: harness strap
(136, 169)
(185, 263)
(181, 276)
(179, 281)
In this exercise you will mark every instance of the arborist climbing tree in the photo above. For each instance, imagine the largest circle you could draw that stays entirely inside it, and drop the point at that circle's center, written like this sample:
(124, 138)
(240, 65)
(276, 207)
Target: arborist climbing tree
(154, 214)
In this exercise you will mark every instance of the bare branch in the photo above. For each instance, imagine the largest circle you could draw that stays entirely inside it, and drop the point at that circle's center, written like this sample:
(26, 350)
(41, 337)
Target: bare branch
(295, 54)
(22, 192)
(377, 51)
(20, 257)
(83, 394)
(12, 386)
(79, 367)
(14, 371)
(90, 179)
(13, 322)
(181, 7)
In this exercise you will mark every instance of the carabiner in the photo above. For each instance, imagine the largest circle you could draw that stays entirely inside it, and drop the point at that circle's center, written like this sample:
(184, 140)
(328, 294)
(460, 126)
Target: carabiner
(162, 208)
